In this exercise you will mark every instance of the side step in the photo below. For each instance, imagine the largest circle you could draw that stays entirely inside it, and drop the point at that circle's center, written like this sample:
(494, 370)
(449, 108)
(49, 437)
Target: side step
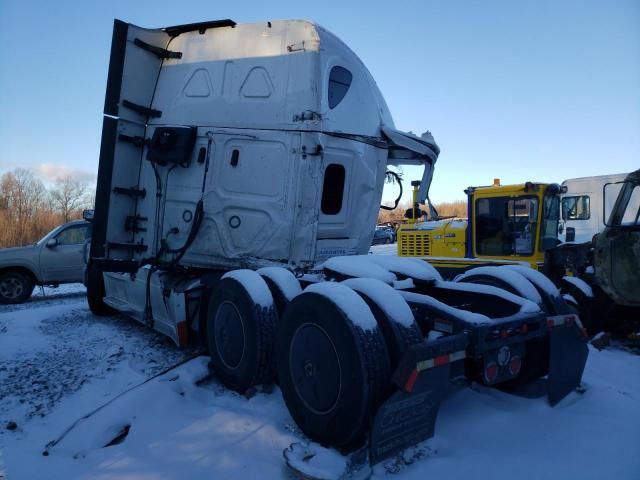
(132, 247)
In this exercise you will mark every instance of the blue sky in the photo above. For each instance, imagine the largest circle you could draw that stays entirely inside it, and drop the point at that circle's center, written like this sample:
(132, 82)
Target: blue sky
(540, 91)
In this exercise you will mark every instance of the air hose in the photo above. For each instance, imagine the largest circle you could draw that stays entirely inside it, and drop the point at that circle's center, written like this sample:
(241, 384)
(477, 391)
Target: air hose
(397, 201)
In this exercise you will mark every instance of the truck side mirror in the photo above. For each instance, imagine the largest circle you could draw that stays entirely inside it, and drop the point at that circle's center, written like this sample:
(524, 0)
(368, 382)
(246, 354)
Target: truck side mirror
(52, 242)
(88, 214)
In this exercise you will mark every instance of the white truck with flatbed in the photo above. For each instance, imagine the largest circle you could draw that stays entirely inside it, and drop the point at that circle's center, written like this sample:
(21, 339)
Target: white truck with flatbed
(241, 173)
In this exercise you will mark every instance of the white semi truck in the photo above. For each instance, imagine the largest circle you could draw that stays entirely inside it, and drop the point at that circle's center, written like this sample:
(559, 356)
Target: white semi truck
(241, 173)
(586, 205)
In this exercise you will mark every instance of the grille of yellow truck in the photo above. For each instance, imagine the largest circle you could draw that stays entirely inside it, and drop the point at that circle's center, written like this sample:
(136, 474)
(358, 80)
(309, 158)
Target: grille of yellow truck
(413, 244)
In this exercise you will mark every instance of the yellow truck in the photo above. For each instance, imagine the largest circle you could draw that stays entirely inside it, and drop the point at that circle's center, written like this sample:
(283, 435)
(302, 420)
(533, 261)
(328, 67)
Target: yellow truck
(506, 224)
(517, 225)
(514, 225)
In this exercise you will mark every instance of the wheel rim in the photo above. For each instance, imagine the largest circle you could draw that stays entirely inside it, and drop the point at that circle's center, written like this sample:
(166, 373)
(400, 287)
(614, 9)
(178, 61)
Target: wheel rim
(229, 335)
(11, 288)
(315, 368)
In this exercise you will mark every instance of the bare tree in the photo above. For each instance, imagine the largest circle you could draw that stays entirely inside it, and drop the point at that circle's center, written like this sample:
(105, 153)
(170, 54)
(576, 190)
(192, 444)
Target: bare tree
(69, 196)
(457, 208)
(21, 197)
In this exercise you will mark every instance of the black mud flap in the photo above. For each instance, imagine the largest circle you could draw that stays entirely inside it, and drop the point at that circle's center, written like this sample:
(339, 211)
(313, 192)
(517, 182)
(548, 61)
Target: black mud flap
(567, 358)
(406, 419)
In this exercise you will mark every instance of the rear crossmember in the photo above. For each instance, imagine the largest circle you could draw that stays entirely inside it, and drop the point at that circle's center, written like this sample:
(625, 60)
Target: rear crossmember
(408, 416)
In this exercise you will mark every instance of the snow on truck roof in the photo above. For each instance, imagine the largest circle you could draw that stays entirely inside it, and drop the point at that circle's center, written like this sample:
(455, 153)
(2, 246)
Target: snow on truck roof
(296, 72)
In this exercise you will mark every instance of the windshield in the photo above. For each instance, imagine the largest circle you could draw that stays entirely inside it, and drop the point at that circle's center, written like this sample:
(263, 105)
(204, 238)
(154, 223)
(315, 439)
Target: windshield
(627, 209)
(550, 218)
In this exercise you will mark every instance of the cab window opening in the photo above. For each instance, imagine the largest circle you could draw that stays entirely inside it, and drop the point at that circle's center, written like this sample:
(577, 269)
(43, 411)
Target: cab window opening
(333, 189)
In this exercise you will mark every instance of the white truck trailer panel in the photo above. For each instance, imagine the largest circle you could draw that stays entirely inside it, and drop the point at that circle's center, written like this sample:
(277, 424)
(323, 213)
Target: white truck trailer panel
(586, 205)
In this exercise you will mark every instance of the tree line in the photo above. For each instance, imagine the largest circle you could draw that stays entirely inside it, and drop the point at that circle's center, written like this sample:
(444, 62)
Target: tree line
(457, 209)
(28, 209)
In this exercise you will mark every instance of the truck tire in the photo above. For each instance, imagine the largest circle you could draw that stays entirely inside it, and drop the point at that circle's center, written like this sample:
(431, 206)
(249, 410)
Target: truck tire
(592, 314)
(15, 287)
(96, 293)
(554, 303)
(241, 335)
(332, 371)
(397, 324)
(506, 279)
(283, 284)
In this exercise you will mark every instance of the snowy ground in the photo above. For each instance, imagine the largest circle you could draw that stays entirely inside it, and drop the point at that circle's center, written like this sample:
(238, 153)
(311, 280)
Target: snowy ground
(58, 362)
(391, 249)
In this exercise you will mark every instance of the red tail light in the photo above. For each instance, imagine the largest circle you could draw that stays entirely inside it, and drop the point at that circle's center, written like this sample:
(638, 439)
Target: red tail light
(491, 372)
(515, 364)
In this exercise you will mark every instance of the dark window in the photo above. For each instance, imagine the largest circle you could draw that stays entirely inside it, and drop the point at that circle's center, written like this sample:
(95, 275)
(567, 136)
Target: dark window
(550, 219)
(632, 210)
(575, 208)
(333, 189)
(339, 83)
(506, 226)
(73, 235)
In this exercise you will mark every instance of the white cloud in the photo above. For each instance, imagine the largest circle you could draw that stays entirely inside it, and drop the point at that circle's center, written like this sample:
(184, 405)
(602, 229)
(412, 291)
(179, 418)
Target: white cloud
(51, 172)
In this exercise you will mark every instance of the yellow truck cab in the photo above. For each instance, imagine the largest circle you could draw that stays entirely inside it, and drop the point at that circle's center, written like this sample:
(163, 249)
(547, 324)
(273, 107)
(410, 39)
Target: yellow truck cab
(506, 224)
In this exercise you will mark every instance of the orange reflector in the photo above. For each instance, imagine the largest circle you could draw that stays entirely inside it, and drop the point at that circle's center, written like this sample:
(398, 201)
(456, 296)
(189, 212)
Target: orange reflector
(411, 381)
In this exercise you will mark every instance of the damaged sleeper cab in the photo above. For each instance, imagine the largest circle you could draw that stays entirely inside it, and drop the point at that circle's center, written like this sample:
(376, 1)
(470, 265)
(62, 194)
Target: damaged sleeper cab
(241, 172)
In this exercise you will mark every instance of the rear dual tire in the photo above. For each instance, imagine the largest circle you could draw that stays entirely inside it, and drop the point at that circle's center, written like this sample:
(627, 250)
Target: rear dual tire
(240, 336)
(399, 329)
(332, 372)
